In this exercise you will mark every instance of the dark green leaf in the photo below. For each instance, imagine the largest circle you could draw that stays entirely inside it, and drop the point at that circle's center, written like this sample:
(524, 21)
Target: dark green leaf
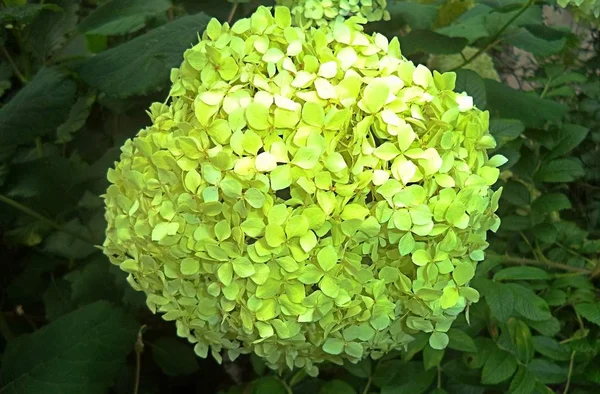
(143, 64)
(549, 327)
(269, 385)
(505, 130)
(117, 17)
(460, 340)
(23, 14)
(589, 311)
(362, 369)
(469, 81)
(550, 348)
(57, 299)
(48, 31)
(501, 301)
(528, 304)
(520, 336)
(560, 170)
(516, 193)
(471, 30)
(416, 15)
(38, 109)
(522, 383)
(81, 352)
(337, 387)
(521, 273)
(432, 357)
(77, 118)
(431, 43)
(504, 101)
(499, 367)
(93, 282)
(174, 357)
(524, 39)
(547, 372)
(566, 138)
(551, 202)
(410, 379)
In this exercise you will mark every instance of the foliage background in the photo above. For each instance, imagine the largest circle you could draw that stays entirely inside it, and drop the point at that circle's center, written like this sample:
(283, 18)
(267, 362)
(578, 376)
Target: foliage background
(76, 78)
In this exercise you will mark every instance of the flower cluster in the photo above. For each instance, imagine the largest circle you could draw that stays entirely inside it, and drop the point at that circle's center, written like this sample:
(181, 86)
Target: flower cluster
(321, 12)
(588, 7)
(307, 195)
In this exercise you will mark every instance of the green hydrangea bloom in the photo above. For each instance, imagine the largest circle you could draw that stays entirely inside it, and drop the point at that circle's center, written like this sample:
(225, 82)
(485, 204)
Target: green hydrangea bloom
(588, 7)
(322, 12)
(308, 196)
(482, 65)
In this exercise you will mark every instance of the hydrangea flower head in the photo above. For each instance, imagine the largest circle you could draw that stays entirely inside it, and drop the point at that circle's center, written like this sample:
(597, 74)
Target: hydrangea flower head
(307, 195)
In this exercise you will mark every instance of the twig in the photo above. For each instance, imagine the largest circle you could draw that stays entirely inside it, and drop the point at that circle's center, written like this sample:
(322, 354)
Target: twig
(439, 377)
(16, 70)
(49, 222)
(495, 39)
(5, 330)
(368, 386)
(570, 372)
(553, 264)
(232, 12)
(139, 349)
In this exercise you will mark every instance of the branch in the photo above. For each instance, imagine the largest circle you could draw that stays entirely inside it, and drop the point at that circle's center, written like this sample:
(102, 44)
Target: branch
(16, 70)
(496, 38)
(552, 264)
(49, 222)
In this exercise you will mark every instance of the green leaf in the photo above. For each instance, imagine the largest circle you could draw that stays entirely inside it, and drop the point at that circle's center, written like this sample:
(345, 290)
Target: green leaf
(81, 352)
(472, 30)
(24, 14)
(547, 372)
(589, 311)
(403, 378)
(432, 357)
(521, 273)
(499, 367)
(524, 39)
(174, 357)
(520, 336)
(516, 193)
(430, 42)
(362, 369)
(93, 282)
(269, 385)
(38, 109)
(337, 387)
(503, 101)
(566, 138)
(528, 304)
(560, 170)
(460, 340)
(523, 382)
(469, 81)
(48, 32)
(505, 130)
(416, 15)
(143, 64)
(118, 17)
(501, 301)
(77, 117)
(551, 348)
(551, 202)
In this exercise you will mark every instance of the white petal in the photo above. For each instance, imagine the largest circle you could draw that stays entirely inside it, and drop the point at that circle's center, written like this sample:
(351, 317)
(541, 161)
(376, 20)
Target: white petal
(328, 69)
(265, 162)
(325, 90)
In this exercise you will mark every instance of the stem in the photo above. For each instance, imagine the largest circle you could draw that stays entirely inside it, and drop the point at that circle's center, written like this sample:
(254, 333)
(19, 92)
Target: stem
(368, 386)
(439, 377)
(5, 330)
(495, 39)
(232, 12)
(570, 372)
(44, 219)
(552, 264)
(13, 65)
(139, 349)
